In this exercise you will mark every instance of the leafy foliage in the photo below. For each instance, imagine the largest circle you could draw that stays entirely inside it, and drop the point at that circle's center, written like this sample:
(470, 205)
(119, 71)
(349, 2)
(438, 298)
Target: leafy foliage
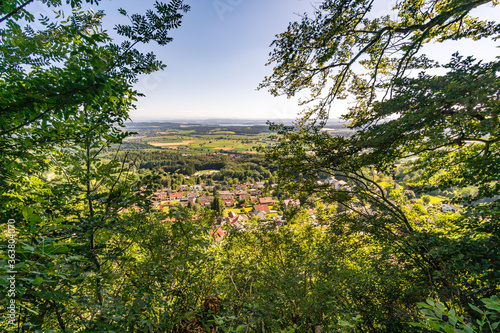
(65, 93)
(451, 124)
(438, 318)
(93, 256)
(341, 50)
(442, 129)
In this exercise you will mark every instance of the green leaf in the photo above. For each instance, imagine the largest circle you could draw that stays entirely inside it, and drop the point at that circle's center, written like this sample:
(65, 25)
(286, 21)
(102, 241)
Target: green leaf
(492, 303)
(27, 212)
(448, 329)
(475, 308)
(440, 306)
(344, 323)
(452, 321)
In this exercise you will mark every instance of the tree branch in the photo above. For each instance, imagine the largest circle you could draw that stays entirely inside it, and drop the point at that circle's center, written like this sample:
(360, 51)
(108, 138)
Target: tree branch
(15, 11)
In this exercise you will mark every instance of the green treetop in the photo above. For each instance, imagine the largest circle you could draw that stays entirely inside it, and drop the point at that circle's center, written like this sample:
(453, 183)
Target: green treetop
(340, 50)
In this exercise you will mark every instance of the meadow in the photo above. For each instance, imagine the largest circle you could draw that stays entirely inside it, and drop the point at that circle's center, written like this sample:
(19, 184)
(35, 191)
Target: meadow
(209, 141)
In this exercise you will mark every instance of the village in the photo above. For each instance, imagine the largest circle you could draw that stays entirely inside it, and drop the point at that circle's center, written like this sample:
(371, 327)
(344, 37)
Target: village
(242, 203)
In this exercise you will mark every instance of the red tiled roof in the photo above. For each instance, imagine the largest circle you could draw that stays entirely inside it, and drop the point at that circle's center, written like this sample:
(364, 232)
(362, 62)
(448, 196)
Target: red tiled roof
(261, 208)
(266, 200)
(218, 234)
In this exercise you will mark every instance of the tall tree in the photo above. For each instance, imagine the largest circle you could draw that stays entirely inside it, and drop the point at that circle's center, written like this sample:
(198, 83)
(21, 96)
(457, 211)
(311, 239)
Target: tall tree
(451, 123)
(48, 73)
(217, 205)
(65, 89)
(340, 50)
(444, 126)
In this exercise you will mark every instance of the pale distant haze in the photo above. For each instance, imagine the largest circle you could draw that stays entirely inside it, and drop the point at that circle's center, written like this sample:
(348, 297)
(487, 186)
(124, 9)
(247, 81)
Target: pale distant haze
(218, 56)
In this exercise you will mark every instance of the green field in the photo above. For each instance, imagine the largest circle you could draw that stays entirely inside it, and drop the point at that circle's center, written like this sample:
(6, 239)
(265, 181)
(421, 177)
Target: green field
(435, 200)
(215, 141)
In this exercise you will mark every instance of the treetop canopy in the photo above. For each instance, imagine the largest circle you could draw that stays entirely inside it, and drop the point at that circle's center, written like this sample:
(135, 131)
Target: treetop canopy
(339, 50)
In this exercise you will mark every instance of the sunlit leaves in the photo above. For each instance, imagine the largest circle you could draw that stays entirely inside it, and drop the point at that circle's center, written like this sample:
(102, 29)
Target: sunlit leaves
(321, 54)
(444, 129)
(65, 91)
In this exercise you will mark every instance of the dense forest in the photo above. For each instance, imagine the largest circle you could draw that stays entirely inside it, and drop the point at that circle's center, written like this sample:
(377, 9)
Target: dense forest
(240, 167)
(86, 250)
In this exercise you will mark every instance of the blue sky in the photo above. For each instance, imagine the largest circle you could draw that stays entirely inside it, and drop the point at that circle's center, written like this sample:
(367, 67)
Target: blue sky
(218, 56)
(216, 61)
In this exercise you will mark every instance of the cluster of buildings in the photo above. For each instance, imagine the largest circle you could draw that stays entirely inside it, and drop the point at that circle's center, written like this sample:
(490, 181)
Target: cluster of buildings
(246, 197)
(243, 202)
(204, 195)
